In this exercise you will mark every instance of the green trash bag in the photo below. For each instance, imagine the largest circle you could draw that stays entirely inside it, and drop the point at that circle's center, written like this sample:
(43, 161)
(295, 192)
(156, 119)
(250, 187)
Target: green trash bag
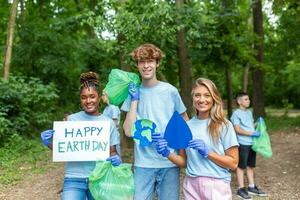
(117, 86)
(262, 144)
(107, 182)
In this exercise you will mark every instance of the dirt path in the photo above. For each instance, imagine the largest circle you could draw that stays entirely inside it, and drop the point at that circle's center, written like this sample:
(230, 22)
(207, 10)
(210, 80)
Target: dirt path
(41, 187)
(278, 176)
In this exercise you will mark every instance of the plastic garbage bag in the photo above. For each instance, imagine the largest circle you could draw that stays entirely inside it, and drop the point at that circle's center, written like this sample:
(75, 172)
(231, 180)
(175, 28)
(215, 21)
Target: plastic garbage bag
(117, 86)
(107, 182)
(262, 144)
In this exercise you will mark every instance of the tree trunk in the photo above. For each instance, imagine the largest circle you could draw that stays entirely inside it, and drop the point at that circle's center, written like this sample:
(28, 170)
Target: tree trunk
(227, 64)
(121, 41)
(78, 5)
(258, 74)
(245, 77)
(9, 40)
(42, 9)
(247, 65)
(185, 72)
(126, 142)
(229, 89)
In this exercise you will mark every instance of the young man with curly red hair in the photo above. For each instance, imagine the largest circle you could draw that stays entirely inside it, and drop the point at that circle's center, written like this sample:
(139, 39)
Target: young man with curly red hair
(157, 101)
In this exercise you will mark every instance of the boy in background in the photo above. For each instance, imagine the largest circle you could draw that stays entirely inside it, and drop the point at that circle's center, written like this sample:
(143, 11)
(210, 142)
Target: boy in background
(243, 122)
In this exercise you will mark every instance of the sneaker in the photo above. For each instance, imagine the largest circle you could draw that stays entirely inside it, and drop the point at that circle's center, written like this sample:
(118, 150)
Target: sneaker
(255, 191)
(243, 194)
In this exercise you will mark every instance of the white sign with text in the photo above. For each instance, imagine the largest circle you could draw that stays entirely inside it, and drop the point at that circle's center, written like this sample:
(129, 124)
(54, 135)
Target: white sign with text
(81, 140)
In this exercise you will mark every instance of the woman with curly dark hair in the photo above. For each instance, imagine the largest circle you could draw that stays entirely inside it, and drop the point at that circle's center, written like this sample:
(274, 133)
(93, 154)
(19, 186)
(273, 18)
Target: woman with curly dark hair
(77, 173)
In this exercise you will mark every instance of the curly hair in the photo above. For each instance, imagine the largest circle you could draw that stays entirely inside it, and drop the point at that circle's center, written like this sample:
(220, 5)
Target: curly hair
(89, 79)
(147, 51)
(216, 113)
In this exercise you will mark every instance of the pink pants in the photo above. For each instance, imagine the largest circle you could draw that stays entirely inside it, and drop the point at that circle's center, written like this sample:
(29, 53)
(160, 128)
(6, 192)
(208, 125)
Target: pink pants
(206, 188)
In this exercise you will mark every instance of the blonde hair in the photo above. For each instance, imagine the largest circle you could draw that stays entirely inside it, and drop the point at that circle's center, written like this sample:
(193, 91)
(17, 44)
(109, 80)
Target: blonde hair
(216, 113)
(147, 51)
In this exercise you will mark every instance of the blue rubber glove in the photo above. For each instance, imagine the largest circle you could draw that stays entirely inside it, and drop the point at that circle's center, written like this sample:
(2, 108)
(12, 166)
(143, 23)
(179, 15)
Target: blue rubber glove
(47, 137)
(115, 160)
(255, 134)
(200, 146)
(156, 136)
(133, 92)
(162, 147)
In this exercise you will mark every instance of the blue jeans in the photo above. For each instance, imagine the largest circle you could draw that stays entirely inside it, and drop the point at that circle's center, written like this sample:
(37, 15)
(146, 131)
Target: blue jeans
(163, 181)
(76, 189)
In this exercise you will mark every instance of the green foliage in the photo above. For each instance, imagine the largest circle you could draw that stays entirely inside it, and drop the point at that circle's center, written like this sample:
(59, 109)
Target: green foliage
(50, 53)
(282, 54)
(58, 50)
(58, 40)
(25, 106)
(136, 23)
(287, 106)
(5, 124)
(19, 156)
(292, 73)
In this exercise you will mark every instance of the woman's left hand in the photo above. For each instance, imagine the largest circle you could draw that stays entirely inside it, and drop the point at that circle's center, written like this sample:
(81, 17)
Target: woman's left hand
(200, 146)
(115, 160)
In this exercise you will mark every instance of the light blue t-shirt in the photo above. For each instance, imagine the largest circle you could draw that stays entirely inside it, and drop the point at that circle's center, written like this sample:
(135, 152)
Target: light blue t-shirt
(82, 169)
(244, 119)
(112, 112)
(199, 166)
(157, 103)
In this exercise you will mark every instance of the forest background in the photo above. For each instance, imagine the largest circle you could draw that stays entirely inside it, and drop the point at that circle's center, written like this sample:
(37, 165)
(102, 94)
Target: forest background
(251, 46)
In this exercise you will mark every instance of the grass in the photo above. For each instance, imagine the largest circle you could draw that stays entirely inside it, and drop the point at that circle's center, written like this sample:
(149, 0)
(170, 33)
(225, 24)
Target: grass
(282, 123)
(21, 157)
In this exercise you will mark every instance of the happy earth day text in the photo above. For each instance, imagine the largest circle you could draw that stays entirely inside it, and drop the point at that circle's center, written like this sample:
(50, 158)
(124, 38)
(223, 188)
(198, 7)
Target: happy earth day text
(82, 145)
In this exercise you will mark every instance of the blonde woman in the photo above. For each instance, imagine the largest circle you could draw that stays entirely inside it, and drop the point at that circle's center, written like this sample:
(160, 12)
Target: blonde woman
(212, 152)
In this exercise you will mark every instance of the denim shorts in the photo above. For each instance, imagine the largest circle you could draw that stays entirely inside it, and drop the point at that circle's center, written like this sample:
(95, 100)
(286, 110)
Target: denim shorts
(163, 181)
(76, 189)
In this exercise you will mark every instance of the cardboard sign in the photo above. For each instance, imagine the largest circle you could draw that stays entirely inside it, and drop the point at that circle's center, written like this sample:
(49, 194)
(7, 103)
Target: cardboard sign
(81, 141)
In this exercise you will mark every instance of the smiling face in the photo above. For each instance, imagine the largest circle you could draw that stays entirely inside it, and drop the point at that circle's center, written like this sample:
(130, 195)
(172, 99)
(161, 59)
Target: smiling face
(147, 69)
(89, 100)
(202, 101)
